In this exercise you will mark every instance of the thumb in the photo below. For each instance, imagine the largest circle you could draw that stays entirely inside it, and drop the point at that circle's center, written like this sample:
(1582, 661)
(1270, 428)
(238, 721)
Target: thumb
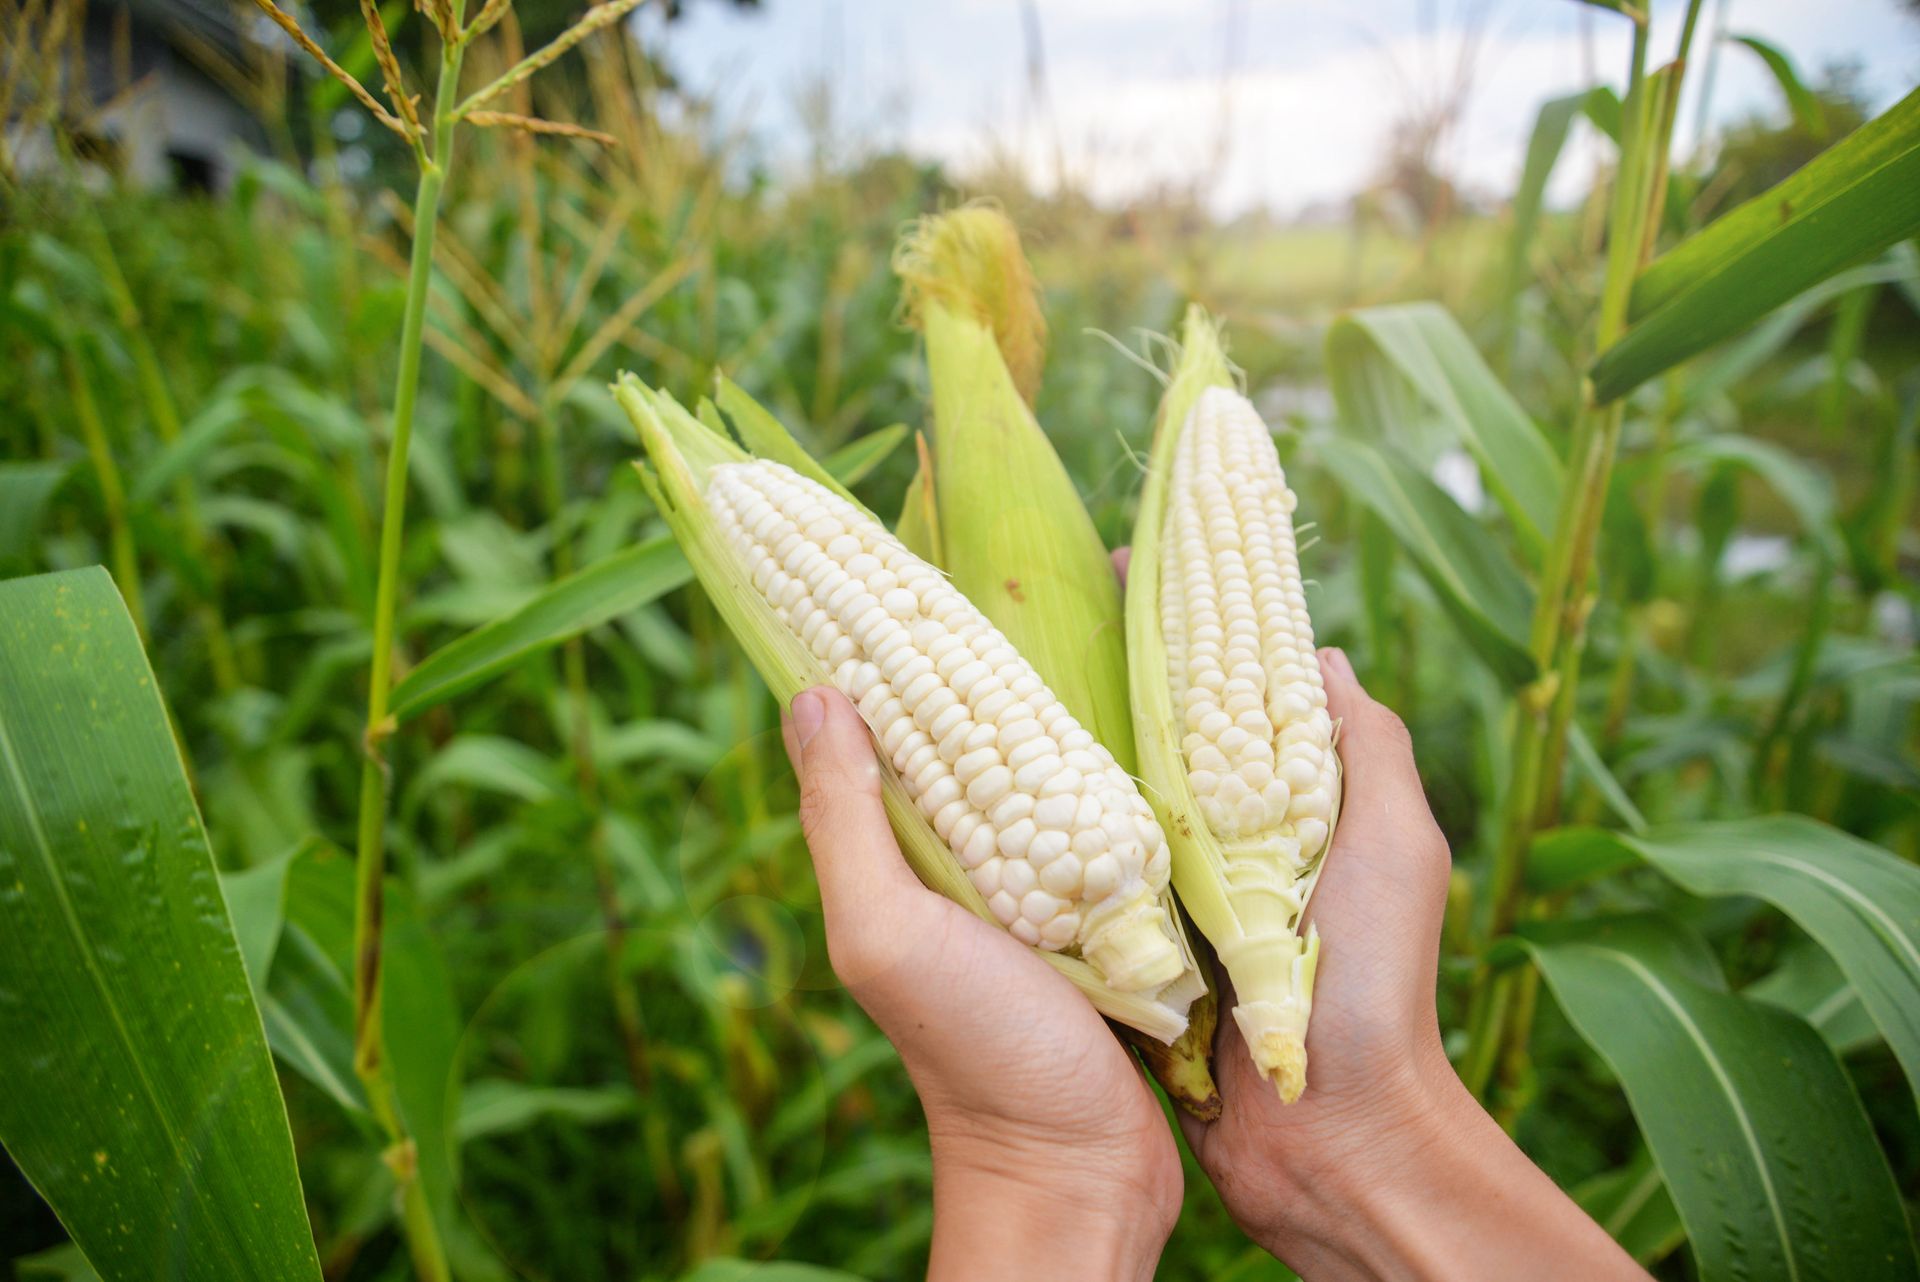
(1386, 826)
(855, 856)
(1379, 779)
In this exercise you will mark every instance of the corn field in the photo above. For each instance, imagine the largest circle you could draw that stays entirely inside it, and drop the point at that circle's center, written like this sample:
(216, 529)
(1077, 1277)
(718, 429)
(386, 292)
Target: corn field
(399, 866)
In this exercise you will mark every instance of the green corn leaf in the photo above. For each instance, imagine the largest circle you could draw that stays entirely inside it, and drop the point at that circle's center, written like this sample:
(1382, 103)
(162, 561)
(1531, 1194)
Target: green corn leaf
(1633, 1205)
(1391, 366)
(1586, 759)
(308, 1010)
(1854, 200)
(140, 1098)
(1804, 488)
(1802, 101)
(565, 608)
(1857, 901)
(1797, 1185)
(1544, 145)
(855, 461)
(1480, 589)
(257, 900)
(1811, 984)
(1738, 359)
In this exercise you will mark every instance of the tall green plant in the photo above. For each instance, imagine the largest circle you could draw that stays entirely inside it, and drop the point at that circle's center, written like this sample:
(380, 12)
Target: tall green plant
(432, 142)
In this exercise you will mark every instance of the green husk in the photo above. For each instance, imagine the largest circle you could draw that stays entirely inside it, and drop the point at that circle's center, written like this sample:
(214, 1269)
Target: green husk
(919, 523)
(682, 451)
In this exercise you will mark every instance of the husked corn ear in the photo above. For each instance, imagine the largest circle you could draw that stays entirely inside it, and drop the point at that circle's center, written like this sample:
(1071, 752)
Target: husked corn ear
(684, 451)
(1240, 655)
(1053, 834)
(1229, 712)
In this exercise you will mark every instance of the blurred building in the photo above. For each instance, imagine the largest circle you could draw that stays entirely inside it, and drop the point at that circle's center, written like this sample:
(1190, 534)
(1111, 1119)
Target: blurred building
(161, 104)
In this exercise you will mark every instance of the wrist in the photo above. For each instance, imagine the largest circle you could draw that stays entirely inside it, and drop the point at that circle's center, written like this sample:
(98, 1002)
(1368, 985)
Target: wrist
(1434, 1189)
(1356, 1206)
(1005, 1211)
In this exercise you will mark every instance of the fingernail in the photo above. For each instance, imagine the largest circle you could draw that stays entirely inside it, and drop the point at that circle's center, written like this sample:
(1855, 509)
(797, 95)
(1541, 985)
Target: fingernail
(1334, 658)
(809, 710)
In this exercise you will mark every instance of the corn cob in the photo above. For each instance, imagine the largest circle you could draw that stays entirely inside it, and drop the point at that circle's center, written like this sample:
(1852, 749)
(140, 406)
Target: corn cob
(1001, 800)
(993, 506)
(1240, 652)
(1052, 833)
(1230, 715)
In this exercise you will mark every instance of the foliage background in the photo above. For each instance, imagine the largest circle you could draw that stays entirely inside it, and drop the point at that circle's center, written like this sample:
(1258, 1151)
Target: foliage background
(613, 823)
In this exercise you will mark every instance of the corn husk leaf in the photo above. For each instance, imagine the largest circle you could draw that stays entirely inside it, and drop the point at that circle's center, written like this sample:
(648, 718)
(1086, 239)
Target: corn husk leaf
(1013, 533)
(919, 523)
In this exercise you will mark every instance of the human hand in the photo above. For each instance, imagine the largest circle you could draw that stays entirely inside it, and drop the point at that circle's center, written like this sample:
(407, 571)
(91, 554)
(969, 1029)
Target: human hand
(1386, 1166)
(1051, 1158)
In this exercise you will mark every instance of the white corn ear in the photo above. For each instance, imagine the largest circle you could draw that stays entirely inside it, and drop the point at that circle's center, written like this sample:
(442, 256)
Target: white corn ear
(1052, 833)
(1230, 715)
(817, 591)
(1240, 659)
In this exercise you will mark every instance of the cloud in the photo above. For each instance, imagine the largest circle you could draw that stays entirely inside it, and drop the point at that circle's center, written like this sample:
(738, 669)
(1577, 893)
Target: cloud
(1292, 136)
(1310, 89)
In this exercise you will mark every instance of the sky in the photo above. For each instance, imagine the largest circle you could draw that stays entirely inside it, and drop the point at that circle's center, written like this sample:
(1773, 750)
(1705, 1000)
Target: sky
(1267, 104)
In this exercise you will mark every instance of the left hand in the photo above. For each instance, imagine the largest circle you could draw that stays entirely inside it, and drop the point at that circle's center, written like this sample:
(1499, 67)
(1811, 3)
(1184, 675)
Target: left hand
(1051, 1157)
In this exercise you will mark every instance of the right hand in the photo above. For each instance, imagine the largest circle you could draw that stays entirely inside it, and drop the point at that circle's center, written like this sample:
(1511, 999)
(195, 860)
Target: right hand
(1386, 1166)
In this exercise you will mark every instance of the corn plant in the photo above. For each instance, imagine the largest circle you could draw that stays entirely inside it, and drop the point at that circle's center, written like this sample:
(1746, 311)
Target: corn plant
(602, 1039)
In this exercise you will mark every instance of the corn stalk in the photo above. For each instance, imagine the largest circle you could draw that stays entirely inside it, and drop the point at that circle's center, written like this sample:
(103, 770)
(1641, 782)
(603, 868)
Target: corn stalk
(435, 151)
(1500, 1012)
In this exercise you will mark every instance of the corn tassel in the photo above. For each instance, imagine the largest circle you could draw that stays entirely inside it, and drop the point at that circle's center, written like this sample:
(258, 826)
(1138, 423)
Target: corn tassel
(1231, 725)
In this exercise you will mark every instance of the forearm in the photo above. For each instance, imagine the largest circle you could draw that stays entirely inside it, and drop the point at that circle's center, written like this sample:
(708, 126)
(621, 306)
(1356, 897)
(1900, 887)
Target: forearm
(1003, 1224)
(1445, 1194)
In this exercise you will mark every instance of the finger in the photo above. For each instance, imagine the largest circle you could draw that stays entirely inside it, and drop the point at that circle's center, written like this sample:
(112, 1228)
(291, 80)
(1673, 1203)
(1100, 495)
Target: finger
(855, 856)
(1376, 751)
(1389, 857)
(1122, 558)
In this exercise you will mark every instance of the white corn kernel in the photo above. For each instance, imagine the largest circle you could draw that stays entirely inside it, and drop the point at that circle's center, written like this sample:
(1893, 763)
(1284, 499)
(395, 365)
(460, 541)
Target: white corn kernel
(1240, 656)
(1008, 779)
